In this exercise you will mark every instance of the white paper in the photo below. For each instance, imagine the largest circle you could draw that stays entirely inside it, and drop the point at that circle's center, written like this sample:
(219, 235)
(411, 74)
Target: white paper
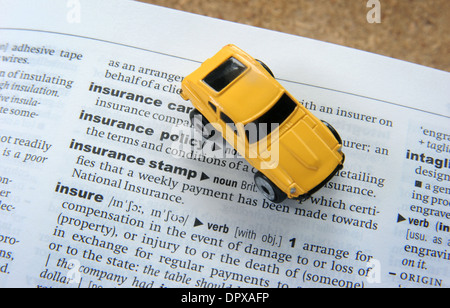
(186, 219)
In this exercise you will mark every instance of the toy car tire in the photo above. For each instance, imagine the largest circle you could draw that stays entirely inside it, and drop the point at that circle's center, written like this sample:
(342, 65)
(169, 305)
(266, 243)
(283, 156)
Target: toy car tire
(269, 189)
(333, 131)
(201, 124)
(265, 67)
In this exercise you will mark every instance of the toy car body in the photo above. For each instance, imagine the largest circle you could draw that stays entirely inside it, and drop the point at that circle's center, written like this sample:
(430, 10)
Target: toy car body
(238, 95)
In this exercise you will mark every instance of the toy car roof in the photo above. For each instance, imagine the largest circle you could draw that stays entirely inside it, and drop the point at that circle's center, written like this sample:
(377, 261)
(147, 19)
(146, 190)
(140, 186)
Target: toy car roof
(243, 89)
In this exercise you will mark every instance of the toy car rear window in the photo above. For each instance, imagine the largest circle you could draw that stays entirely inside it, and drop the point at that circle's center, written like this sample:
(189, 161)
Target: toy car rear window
(224, 74)
(269, 121)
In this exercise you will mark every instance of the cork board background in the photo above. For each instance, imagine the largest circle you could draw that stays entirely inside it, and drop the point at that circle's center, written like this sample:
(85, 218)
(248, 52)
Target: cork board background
(417, 31)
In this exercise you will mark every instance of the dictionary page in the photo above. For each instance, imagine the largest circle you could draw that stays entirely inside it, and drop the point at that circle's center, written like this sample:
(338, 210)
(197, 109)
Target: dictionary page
(102, 183)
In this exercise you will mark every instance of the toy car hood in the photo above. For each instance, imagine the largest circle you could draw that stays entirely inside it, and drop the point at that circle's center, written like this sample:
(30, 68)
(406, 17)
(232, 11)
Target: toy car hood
(311, 156)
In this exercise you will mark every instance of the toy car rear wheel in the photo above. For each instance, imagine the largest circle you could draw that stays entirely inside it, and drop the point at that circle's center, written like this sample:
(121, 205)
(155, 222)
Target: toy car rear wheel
(333, 131)
(265, 67)
(201, 124)
(269, 189)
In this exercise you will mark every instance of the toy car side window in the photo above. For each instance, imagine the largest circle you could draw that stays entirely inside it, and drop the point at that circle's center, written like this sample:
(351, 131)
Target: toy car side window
(224, 74)
(229, 122)
(226, 119)
(213, 107)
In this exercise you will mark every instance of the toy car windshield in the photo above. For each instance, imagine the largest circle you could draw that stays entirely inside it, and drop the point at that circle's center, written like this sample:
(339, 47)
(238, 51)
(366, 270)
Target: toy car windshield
(224, 74)
(264, 125)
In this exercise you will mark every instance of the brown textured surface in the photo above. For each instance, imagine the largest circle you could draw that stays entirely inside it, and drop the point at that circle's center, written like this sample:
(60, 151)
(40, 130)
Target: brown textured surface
(413, 30)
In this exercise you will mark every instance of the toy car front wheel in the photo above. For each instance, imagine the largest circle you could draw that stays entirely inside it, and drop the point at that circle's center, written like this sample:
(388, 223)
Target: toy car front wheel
(201, 124)
(269, 189)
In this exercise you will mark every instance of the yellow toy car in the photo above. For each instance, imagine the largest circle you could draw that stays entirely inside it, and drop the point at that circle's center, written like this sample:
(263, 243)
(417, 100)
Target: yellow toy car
(295, 153)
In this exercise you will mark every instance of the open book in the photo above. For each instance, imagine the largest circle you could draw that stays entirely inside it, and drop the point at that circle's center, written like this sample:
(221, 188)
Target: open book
(101, 183)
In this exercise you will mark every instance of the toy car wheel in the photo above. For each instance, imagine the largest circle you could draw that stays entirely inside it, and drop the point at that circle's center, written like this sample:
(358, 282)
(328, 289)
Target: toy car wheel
(201, 124)
(333, 131)
(265, 67)
(269, 189)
